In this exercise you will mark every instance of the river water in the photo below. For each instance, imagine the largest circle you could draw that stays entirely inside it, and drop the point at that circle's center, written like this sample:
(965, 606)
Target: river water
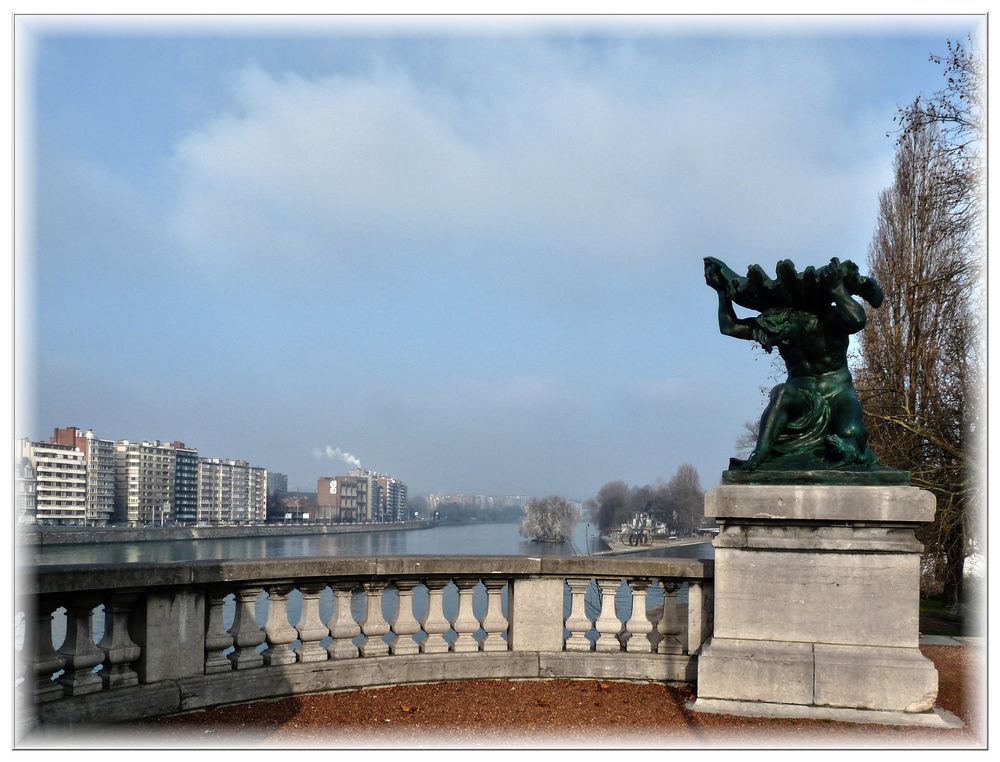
(454, 539)
(449, 539)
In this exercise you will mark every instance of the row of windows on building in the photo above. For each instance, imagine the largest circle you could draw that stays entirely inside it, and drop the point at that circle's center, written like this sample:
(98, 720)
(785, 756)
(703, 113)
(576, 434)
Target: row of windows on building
(78, 479)
(359, 496)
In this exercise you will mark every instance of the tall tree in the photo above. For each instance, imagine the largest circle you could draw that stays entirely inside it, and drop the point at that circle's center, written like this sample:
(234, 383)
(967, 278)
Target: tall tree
(686, 499)
(921, 361)
(611, 506)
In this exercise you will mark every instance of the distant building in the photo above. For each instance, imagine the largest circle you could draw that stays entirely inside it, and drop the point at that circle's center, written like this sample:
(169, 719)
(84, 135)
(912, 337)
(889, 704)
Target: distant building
(185, 483)
(99, 458)
(342, 499)
(477, 501)
(60, 482)
(145, 483)
(231, 492)
(295, 508)
(361, 495)
(24, 494)
(277, 484)
(388, 498)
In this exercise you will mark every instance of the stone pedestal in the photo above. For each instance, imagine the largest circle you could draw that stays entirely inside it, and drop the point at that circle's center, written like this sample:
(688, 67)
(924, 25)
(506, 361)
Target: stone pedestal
(817, 604)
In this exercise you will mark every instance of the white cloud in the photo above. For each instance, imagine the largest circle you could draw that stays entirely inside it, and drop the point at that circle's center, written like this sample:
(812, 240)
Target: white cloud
(549, 161)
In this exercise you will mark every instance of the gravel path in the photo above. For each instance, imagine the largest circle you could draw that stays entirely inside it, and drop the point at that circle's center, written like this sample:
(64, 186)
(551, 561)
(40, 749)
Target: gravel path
(552, 713)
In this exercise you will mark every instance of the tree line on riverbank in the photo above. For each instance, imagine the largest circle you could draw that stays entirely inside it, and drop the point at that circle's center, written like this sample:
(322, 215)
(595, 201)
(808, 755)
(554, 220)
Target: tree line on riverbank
(678, 503)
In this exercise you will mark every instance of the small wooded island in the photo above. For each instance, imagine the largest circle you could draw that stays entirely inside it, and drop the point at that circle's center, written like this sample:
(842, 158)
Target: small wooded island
(550, 519)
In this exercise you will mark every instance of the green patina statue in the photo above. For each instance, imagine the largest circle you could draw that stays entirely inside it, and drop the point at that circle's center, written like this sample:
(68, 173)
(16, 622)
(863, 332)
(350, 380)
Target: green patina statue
(813, 421)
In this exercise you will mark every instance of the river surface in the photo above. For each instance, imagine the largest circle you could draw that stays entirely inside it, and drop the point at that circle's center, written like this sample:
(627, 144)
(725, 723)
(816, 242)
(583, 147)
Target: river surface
(452, 539)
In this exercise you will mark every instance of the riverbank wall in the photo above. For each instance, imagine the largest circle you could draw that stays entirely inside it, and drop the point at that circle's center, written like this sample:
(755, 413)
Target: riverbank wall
(38, 536)
(618, 548)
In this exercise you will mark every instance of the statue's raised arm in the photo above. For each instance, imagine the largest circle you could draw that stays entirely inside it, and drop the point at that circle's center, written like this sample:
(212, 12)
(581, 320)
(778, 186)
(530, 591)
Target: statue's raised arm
(718, 276)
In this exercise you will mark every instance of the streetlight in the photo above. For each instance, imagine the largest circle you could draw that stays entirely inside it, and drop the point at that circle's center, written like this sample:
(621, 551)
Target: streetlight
(588, 538)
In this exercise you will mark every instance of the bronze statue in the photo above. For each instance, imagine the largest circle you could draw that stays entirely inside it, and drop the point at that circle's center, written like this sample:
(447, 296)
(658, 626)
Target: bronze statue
(813, 420)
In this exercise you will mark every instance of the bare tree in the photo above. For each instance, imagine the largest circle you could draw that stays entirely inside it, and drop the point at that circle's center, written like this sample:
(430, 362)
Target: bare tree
(921, 361)
(748, 439)
(611, 506)
(686, 499)
(551, 519)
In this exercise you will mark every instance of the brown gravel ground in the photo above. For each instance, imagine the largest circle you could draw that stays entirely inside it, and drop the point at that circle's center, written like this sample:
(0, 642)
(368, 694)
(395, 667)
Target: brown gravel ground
(554, 713)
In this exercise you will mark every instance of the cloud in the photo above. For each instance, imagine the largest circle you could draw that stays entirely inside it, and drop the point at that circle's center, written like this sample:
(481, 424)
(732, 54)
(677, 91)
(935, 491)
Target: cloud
(522, 168)
(336, 454)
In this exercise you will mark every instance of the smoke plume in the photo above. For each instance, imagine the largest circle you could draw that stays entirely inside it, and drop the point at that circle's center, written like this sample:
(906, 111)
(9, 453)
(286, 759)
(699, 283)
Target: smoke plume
(335, 453)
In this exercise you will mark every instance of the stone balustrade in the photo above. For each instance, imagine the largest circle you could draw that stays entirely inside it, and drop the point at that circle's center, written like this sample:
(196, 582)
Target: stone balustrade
(145, 640)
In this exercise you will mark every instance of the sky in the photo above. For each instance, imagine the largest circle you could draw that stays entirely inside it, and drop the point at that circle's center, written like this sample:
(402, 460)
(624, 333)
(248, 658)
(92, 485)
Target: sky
(467, 254)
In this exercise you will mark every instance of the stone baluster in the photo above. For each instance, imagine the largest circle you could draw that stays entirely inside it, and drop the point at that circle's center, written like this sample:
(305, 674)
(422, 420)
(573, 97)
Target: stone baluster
(278, 631)
(466, 624)
(578, 623)
(44, 660)
(494, 622)
(699, 615)
(246, 634)
(343, 628)
(78, 649)
(217, 639)
(434, 622)
(310, 628)
(403, 623)
(608, 624)
(639, 625)
(670, 627)
(373, 624)
(119, 649)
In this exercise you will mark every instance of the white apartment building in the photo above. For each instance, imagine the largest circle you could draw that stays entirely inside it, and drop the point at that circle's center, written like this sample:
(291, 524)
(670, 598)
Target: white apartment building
(99, 457)
(24, 492)
(60, 482)
(386, 496)
(231, 492)
(144, 483)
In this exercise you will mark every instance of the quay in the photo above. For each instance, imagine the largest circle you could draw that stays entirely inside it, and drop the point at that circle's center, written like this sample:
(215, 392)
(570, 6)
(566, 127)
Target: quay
(617, 547)
(37, 535)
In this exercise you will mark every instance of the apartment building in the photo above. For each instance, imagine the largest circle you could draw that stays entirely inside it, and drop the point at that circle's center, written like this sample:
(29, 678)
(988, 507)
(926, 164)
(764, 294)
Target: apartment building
(145, 474)
(277, 484)
(99, 458)
(185, 483)
(24, 491)
(342, 499)
(231, 492)
(361, 495)
(388, 496)
(60, 482)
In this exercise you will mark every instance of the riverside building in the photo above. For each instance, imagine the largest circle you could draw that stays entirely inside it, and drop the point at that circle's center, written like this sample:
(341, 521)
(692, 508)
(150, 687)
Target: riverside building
(24, 494)
(342, 499)
(145, 474)
(231, 492)
(361, 496)
(99, 458)
(60, 483)
(185, 483)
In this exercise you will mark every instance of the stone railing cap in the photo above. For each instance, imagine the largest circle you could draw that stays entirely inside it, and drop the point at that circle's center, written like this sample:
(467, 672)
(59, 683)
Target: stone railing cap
(820, 503)
(143, 576)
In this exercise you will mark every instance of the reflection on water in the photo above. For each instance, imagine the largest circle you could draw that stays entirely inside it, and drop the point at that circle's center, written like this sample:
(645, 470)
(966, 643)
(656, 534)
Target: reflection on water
(456, 539)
